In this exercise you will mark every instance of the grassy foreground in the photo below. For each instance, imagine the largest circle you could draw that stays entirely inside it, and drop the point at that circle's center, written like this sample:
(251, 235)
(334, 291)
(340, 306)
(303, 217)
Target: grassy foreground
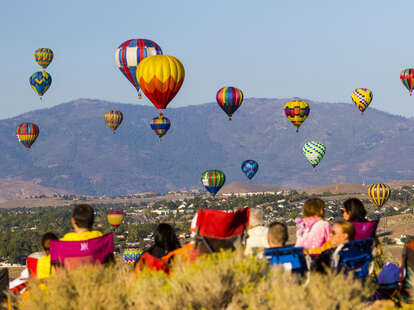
(221, 281)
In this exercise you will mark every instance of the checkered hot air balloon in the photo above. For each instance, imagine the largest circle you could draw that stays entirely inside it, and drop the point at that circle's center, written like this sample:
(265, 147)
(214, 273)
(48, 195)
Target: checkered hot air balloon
(314, 152)
(297, 111)
(40, 82)
(379, 194)
(362, 97)
(160, 125)
(132, 254)
(160, 78)
(250, 168)
(213, 180)
(229, 99)
(113, 118)
(27, 134)
(130, 53)
(115, 218)
(407, 78)
(43, 56)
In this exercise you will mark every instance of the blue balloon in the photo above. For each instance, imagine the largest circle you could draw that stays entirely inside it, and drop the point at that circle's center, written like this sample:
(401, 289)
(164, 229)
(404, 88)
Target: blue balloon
(249, 168)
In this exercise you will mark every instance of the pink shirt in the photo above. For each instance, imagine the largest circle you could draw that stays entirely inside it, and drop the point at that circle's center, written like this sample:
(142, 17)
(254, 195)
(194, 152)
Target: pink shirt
(313, 233)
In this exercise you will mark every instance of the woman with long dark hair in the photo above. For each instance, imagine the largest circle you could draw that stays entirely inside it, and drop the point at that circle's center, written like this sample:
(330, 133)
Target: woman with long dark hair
(165, 241)
(354, 210)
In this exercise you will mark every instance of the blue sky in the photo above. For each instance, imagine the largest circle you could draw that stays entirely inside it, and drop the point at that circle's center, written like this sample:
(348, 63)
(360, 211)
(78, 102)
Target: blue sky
(320, 50)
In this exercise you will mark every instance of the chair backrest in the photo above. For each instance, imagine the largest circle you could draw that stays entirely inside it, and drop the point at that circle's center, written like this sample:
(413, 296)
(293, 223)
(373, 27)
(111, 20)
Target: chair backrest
(407, 268)
(290, 257)
(72, 254)
(31, 263)
(355, 256)
(364, 230)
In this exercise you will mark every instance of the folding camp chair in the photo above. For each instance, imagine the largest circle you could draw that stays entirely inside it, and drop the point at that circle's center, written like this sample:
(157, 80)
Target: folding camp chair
(407, 268)
(364, 230)
(218, 229)
(355, 256)
(72, 254)
(290, 258)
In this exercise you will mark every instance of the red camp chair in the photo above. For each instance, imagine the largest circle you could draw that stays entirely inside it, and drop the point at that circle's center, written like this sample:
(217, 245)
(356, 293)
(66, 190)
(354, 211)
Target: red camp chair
(72, 254)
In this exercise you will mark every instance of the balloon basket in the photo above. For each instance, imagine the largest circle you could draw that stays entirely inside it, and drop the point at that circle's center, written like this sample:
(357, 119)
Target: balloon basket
(139, 96)
(41, 98)
(297, 129)
(314, 170)
(27, 150)
(113, 132)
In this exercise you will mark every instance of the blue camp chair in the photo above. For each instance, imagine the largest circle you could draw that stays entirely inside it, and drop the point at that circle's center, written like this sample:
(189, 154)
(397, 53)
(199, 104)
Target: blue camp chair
(290, 258)
(355, 256)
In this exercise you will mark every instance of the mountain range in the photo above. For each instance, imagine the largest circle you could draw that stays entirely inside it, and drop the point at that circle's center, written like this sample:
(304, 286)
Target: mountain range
(77, 153)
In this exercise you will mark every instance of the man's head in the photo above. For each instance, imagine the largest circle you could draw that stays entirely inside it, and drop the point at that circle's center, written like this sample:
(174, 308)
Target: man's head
(83, 217)
(342, 232)
(256, 217)
(277, 236)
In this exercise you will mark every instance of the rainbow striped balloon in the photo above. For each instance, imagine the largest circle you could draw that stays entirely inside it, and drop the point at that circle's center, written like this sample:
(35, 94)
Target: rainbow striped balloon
(229, 99)
(160, 125)
(297, 111)
(379, 194)
(407, 78)
(43, 56)
(314, 152)
(213, 180)
(115, 218)
(362, 97)
(113, 118)
(27, 134)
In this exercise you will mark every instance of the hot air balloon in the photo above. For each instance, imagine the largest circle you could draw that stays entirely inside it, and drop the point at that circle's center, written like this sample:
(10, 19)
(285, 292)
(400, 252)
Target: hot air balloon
(160, 125)
(130, 53)
(297, 111)
(362, 97)
(115, 218)
(249, 168)
(407, 78)
(27, 134)
(314, 152)
(132, 254)
(379, 194)
(229, 99)
(40, 82)
(160, 78)
(43, 57)
(213, 180)
(113, 119)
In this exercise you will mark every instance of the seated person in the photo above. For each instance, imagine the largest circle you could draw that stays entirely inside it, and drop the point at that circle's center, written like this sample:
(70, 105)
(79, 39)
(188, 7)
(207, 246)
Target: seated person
(277, 235)
(82, 221)
(257, 232)
(354, 210)
(43, 264)
(342, 232)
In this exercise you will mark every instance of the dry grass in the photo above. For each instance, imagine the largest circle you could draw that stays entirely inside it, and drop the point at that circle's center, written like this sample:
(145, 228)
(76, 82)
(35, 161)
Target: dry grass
(221, 281)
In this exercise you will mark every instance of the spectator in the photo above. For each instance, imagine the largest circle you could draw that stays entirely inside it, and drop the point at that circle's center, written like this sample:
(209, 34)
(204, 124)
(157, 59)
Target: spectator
(165, 241)
(277, 235)
(257, 232)
(82, 222)
(43, 264)
(313, 230)
(354, 210)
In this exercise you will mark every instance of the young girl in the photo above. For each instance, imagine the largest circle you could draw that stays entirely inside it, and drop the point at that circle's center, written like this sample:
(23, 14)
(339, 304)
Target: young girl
(313, 230)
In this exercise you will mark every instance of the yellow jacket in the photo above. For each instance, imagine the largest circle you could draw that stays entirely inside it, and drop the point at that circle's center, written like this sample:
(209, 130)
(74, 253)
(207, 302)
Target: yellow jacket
(86, 235)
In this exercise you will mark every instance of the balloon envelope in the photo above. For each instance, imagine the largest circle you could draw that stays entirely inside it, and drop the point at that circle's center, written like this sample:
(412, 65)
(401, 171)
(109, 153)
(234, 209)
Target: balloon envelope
(132, 254)
(407, 78)
(379, 194)
(314, 152)
(40, 82)
(249, 168)
(160, 125)
(160, 78)
(213, 180)
(362, 97)
(113, 118)
(130, 53)
(229, 99)
(27, 134)
(297, 111)
(43, 56)
(115, 218)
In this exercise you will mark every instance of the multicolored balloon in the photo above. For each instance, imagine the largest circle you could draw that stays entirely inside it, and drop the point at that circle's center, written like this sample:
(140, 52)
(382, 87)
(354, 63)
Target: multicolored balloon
(249, 168)
(113, 118)
(362, 97)
(43, 56)
(229, 99)
(407, 78)
(160, 125)
(213, 180)
(40, 82)
(297, 111)
(314, 152)
(160, 78)
(27, 134)
(130, 53)
(379, 194)
(132, 254)
(115, 218)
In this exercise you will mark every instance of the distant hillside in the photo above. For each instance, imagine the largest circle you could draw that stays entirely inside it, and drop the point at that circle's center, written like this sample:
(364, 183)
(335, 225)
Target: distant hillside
(77, 152)
(346, 188)
(240, 187)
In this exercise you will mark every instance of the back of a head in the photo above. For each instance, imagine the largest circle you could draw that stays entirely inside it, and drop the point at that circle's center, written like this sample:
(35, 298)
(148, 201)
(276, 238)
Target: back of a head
(46, 240)
(347, 228)
(166, 238)
(277, 234)
(356, 210)
(256, 217)
(314, 207)
(84, 216)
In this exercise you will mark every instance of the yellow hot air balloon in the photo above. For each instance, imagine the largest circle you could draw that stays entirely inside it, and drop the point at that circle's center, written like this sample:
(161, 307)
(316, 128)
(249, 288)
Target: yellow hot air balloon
(296, 111)
(115, 218)
(379, 194)
(362, 97)
(160, 78)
